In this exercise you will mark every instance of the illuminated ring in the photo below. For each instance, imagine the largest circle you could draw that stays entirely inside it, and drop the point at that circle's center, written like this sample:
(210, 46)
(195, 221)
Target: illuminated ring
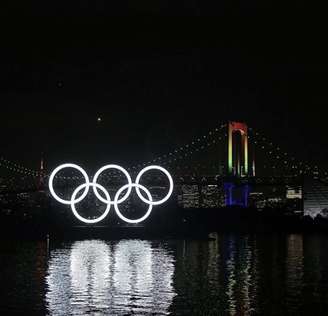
(150, 202)
(95, 178)
(119, 214)
(51, 179)
(77, 215)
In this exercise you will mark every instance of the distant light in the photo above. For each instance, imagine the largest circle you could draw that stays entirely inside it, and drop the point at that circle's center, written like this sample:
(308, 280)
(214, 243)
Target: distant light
(99, 119)
(59, 84)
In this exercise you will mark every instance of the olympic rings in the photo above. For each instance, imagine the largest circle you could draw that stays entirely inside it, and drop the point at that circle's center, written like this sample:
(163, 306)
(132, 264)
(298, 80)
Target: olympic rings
(119, 214)
(51, 180)
(107, 200)
(168, 176)
(77, 215)
(97, 174)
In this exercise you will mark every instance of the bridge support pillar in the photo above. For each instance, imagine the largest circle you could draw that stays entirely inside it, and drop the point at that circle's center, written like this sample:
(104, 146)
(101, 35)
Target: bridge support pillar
(236, 195)
(228, 190)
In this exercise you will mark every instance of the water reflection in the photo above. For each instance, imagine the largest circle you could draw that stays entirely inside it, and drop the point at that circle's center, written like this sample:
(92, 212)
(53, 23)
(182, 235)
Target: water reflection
(123, 278)
(219, 277)
(294, 271)
(231, 274)
(89, 273)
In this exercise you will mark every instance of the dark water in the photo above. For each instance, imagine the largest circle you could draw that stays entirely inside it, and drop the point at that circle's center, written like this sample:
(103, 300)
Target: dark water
(230, 275)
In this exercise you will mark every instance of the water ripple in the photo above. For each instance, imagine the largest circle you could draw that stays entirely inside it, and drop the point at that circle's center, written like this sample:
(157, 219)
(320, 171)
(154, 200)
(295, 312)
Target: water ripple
(130, 276)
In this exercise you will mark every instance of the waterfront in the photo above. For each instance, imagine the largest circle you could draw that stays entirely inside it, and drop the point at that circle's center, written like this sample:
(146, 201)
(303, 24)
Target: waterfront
(229, 274)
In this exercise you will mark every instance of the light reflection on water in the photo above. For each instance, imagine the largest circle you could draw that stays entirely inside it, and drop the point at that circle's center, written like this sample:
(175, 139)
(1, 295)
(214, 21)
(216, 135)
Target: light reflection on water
(127, 277)
(232, 274)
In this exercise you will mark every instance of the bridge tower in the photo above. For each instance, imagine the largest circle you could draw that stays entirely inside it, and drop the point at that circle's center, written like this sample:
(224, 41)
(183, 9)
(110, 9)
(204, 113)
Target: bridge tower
(237, 152)
(238, 165)
(41, 174)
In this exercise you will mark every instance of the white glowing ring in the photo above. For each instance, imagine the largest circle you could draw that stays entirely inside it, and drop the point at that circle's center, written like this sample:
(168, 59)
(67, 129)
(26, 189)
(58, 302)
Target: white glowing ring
(51, 179)
(77, 215)
(150, 202)
(119, 214)
(107, 199)
(95, 178)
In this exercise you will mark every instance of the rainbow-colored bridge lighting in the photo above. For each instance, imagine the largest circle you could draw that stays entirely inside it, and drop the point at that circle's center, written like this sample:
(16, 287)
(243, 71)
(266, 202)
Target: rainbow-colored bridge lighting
(238, 164)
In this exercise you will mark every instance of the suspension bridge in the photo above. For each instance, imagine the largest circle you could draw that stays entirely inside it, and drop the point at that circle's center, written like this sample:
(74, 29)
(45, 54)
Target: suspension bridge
(241, 159)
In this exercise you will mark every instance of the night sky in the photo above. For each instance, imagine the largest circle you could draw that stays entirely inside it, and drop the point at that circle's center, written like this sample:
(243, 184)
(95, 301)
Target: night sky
(156, 78)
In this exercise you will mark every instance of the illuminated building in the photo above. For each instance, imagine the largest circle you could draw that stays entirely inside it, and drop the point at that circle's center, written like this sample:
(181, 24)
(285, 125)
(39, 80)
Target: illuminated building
(315, 197)
(212, 196)
(294, 192)
(190, 196)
